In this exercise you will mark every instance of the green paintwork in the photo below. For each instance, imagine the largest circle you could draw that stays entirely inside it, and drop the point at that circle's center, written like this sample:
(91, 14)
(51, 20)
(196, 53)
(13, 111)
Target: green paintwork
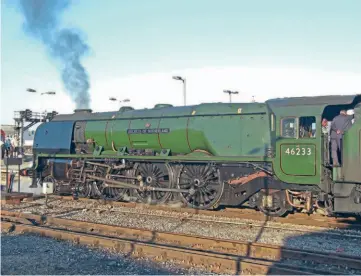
(298, 159)
(351, 169)
(219, 132)
(216, 128)
(300, 169)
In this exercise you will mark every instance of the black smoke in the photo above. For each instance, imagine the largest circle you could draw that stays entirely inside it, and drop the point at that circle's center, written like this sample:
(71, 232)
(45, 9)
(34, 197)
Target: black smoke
(41, 20)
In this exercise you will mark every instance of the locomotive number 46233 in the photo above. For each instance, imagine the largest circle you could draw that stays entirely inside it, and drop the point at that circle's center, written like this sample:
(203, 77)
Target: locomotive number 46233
(298, 151)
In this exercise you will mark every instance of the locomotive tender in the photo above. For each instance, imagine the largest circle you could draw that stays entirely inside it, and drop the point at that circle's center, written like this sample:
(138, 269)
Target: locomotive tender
(271, 156)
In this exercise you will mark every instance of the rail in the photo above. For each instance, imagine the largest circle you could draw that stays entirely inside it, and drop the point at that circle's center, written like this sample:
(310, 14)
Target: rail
(216, 255)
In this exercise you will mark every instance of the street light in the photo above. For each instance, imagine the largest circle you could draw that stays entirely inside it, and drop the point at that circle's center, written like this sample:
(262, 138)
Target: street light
(116, 100)
(48, 93)
(43, 93)
(229, 92)
(184, 87)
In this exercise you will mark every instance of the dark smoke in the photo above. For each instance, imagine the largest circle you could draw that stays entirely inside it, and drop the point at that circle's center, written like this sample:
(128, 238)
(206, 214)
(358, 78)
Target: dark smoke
(66, 45)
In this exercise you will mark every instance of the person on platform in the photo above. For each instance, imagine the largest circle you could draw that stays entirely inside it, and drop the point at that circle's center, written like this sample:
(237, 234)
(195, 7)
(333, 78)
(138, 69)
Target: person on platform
(15, 144)
(7, 146)
(340, 124)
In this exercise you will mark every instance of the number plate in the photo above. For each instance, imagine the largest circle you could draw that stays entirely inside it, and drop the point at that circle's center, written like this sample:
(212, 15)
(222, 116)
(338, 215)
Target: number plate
(298, 160)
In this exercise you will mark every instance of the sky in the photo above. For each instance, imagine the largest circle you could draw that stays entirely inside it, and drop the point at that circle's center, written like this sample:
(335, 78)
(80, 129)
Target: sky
(261, 48)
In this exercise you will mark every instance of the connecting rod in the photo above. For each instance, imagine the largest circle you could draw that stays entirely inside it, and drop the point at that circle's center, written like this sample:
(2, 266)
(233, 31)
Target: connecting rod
(119, 184)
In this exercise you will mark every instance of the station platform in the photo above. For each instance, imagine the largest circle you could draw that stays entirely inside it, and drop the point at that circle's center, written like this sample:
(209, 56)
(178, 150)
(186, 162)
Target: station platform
(15, 198)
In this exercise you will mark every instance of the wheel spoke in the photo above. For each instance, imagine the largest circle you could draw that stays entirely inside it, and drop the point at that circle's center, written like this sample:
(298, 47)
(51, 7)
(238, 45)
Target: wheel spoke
(206, 183)
(155, 175)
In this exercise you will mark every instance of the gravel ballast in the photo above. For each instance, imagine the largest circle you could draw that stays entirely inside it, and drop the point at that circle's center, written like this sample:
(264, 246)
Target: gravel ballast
(288, 235)
(34, 255)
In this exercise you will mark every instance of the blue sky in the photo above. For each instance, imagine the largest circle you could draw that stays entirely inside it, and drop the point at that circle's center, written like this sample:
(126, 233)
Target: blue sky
(137, 37)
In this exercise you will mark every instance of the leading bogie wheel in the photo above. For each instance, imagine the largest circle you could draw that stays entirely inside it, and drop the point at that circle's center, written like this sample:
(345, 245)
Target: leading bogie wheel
(112, 193)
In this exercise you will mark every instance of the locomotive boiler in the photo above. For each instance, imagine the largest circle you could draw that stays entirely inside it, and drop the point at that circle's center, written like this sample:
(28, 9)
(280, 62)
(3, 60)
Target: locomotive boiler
(271, 156)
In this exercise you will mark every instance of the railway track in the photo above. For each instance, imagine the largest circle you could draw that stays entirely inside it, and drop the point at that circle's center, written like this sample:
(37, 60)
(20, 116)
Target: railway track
(315, 220)
(216, 255)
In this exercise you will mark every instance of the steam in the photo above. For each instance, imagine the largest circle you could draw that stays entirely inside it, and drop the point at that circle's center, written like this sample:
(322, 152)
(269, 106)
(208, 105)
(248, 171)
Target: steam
(65, 45)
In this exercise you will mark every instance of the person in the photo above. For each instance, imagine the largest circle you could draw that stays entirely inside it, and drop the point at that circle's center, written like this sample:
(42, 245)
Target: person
(2, 144)
(326, 128)
(8, 146)
(340, 124)
(351, 113)
(15, 144)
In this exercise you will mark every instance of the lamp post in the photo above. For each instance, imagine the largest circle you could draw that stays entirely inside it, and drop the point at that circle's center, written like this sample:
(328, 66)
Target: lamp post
(48, 93)
(184, 87)
(229, 92)
(43, 93)
(116, 100)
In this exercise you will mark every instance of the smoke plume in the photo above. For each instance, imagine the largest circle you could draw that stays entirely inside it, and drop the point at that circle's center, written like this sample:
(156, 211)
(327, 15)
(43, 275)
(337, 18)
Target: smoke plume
(65, 45)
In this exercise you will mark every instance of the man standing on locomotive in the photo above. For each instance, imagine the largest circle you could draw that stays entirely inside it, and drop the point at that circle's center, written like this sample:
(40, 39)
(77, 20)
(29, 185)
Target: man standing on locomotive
(340, 124)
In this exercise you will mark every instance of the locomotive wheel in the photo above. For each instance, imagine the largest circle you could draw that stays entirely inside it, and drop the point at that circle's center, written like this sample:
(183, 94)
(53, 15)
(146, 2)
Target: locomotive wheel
(96, 186)
(155, 175)
(278, 208)
(205, 185)
(82, 189)
(115, 194)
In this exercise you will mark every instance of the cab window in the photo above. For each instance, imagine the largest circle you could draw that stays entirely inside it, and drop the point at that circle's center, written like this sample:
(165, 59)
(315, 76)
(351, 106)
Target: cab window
(288, 129)
(307, 127)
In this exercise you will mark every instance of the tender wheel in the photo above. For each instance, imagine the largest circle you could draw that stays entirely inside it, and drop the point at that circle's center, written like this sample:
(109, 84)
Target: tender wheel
(204, 184)
(115, 194)
(273, 203)
(155, 175)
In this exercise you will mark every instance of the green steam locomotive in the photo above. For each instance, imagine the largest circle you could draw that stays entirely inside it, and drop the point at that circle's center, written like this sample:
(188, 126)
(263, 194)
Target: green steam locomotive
(270, 156)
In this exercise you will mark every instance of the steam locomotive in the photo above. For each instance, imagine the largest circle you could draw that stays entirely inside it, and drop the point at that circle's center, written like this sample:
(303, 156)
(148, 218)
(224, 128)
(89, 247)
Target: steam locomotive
(270, 156)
